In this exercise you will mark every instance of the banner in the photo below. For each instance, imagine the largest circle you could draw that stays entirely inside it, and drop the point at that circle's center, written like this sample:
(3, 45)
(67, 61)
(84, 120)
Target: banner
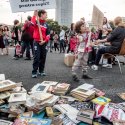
(97, 17)
(30, 5)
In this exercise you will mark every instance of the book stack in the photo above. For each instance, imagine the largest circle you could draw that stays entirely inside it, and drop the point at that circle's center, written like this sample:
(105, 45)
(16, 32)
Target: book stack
(86, 116)
(6, 85)
(38, 101)
(61, 89)
(83, 94)
(17, 99)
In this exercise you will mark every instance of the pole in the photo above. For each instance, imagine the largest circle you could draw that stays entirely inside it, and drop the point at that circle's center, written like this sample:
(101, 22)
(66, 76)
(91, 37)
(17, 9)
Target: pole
(40, 33)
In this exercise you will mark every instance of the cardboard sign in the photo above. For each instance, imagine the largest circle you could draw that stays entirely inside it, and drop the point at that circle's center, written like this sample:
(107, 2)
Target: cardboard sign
(30, 5)
(97, 17)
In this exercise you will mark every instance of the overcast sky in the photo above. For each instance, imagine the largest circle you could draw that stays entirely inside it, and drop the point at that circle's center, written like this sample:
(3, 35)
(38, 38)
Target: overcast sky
(81, 8)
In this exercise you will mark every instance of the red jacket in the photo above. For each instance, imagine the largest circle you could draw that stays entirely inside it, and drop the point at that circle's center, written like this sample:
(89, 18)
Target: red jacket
(44, 29)
(29, 28)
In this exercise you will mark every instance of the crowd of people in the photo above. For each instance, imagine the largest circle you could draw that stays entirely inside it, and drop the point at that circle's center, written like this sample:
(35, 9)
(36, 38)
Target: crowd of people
(79, 39)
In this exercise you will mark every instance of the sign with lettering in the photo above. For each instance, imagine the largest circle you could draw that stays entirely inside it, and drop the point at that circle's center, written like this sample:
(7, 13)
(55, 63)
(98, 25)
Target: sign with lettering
(30, 5)
(97, 17)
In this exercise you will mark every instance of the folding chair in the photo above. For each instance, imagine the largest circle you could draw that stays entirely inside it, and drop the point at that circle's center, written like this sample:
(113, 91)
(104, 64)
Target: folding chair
(121, 53)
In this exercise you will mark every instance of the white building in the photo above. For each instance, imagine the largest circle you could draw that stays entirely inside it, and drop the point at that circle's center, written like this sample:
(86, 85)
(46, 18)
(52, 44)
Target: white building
(64, 12)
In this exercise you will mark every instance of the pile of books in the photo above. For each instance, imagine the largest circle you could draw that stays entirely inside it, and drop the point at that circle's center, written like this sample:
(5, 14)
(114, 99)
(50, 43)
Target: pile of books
(83, 92)
(86, 116)
(61, 89)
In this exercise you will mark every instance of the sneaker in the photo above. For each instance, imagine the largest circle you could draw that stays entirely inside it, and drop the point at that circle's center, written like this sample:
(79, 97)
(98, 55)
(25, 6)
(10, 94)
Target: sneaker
(2, 54)
(94, 67)
(107, 66)
(86, 77)
(34, 75)
(75, 78)
(42, 74)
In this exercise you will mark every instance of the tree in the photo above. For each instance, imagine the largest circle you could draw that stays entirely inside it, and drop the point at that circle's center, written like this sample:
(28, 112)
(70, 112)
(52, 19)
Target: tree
(55, 26)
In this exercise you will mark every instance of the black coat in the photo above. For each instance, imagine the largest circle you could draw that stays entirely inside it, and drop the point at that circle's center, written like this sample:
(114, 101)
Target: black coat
(116, 38)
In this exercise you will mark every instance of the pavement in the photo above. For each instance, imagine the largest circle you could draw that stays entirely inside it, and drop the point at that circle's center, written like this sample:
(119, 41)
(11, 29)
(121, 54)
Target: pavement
(108, 80)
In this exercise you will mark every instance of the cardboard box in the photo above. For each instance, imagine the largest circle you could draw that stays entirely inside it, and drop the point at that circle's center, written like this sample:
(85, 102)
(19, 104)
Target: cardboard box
(69, 59)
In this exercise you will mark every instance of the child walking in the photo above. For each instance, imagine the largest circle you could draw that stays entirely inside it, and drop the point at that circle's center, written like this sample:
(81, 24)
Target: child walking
(82, 50)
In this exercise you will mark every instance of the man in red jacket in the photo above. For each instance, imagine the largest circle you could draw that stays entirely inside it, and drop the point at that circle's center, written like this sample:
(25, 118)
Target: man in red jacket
(41, 38)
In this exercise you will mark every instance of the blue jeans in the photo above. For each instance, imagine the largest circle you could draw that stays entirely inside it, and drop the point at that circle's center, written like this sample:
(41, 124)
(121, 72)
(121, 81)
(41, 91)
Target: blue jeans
(40, 53)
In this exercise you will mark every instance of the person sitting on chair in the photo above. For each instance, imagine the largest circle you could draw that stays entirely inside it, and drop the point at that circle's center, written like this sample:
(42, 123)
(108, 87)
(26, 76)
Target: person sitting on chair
(115, 39)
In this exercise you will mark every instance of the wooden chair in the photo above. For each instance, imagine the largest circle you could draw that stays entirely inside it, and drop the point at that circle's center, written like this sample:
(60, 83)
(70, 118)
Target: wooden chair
(121, 53)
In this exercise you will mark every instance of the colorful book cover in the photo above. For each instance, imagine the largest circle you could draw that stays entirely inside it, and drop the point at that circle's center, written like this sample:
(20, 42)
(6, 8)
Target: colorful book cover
(32, 121)
(101, 100)
(40, 115)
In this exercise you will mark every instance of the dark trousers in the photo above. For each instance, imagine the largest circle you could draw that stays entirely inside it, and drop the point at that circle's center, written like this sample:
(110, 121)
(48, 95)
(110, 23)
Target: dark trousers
(51, 45)
(56, 46)
(68, 48)
(40, 53)
(62, 46)
(92, 56)
(26, 46)
(99, 54)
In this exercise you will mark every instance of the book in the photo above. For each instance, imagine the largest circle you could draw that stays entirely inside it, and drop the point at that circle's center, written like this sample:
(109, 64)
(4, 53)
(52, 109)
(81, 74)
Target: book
(119, 123)
(51, 101)
(57, 121)
(2, 77)
(2, 102)
(101, 100)
(40, 88)
(6, 85)
(18, 89)
(27, 114)
(62, 86)
(51, 83)
(32, 121)
(66, 120)
(86, 87)
(98, 92)
(121, 95)
(4, 122)
(17, 98)
(39, 115)
(68, 110)
(4, 95)
(82, 105)
(49, 112)
(16, 109)
(41, 97)
(86, 115)
(121, 106)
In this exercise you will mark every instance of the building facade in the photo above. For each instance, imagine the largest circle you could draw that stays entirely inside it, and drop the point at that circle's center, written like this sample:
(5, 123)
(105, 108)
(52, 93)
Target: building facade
(64, 12)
